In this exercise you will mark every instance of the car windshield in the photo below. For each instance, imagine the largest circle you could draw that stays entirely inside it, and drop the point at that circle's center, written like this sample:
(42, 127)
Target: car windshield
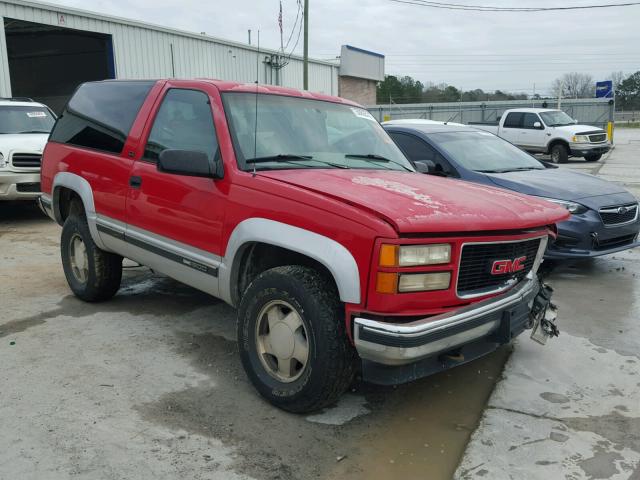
(556, 119)
(484, 152)
(19, 119)
(295, 132)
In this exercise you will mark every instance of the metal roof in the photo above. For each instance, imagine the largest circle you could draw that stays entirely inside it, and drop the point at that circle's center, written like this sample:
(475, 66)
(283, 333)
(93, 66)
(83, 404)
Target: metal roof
(150, 26)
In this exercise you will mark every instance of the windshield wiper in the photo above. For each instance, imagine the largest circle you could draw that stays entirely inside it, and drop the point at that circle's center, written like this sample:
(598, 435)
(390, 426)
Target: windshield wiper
(279, 157)
(290, 158)
(372, 157)
(35, 131)
(507, 170)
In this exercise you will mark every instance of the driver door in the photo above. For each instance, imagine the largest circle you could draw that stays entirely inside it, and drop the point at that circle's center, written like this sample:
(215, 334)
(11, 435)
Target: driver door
(177, 219)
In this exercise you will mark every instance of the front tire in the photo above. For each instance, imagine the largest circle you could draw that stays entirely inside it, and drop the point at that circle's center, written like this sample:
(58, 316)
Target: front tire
(593, 158)
(92, 274)
(559, 153)
(292, 339)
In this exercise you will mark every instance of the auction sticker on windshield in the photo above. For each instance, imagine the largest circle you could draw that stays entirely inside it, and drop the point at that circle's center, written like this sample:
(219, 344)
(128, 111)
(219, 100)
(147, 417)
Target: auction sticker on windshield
(36, 114)
(362, 113)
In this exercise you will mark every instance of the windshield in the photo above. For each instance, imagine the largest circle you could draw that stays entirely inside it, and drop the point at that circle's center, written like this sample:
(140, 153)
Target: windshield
(484, 152)
(301, 133)
(556, 119)
(16, 119)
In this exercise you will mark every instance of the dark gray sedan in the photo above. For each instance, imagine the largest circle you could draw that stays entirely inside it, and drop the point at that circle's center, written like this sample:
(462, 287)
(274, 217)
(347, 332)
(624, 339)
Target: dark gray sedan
(604, 216)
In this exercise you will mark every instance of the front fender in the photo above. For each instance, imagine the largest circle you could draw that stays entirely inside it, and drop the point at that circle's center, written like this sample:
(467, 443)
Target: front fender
(334, 256)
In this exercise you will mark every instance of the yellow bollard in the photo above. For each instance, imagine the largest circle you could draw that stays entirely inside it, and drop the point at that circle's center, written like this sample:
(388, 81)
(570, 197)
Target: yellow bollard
(386, 118)
(610, 131)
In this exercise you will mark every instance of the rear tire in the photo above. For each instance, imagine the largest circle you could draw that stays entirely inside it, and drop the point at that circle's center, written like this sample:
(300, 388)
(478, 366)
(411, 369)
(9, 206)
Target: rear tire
(92, 274)
(559, 153)
(593, 158)
(291, 317)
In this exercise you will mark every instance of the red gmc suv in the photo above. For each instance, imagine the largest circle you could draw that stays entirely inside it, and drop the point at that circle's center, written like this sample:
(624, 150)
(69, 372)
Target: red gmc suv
(299, 210)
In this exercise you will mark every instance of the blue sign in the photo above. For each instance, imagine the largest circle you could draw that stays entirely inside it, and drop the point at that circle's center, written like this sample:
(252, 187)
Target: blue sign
(604, 89)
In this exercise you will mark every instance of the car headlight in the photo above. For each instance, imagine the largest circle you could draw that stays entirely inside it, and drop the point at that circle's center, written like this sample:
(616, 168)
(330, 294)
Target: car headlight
(2, 162)
(572, 207)
(414, 255)
(581, 139)
(424, 282)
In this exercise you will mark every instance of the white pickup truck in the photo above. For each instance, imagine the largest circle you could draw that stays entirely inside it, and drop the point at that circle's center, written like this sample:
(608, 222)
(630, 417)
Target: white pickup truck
(24, 130)
(553, 132)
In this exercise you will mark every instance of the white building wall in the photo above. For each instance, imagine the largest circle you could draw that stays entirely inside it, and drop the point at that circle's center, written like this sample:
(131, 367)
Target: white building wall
(144, 51)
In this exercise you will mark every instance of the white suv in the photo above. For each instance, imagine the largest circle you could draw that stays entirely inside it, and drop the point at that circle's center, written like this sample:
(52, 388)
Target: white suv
(24, 130)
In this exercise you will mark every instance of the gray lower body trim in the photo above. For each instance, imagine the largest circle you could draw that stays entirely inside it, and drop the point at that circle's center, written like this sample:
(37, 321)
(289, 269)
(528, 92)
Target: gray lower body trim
(153, 244)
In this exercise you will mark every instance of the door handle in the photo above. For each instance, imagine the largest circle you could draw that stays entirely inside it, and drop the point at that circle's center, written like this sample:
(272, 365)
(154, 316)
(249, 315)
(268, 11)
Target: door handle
(135, 181)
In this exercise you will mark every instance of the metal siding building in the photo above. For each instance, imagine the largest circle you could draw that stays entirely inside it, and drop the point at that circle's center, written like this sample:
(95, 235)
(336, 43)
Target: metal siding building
(137, 50)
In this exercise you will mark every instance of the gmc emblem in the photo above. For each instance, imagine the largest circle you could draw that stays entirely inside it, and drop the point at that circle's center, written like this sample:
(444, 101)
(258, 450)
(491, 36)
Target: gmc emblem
(500, 267)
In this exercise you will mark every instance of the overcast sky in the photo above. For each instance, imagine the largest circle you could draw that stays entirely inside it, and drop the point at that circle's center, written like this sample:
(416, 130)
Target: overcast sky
(508, 51)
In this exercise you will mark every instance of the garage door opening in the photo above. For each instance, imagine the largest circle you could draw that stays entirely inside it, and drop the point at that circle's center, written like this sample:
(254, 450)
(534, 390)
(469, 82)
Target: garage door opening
(47, 63)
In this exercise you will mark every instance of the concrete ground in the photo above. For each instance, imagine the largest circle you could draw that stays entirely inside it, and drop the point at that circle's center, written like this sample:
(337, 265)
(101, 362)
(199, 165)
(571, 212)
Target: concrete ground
(149, 384)
(571, 409)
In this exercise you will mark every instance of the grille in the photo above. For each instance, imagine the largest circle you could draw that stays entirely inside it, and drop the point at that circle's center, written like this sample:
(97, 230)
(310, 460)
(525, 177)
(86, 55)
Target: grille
(601, 137)
(476, 262)
(619, 214)
(28, 187)
(26, 160)
(615, 242)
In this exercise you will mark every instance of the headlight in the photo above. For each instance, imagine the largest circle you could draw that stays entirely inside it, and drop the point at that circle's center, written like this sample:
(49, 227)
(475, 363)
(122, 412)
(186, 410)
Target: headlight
(573, 207)
(414, 255)
(581, 139)
(423, 282)
(2, 162)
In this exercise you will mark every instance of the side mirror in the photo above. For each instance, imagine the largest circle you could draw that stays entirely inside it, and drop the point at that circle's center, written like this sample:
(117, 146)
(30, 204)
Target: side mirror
(425, 166)
(537, 125)
(187, 162)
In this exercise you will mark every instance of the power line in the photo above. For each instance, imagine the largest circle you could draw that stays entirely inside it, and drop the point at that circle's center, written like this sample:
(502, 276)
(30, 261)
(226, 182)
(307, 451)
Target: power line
(481, 8)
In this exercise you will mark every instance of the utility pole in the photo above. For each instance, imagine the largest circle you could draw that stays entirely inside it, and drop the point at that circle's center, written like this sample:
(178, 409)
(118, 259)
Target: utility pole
(249, 31)
(305, 67)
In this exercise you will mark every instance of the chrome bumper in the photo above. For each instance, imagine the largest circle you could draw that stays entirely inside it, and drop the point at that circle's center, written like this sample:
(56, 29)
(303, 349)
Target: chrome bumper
(9, 182)
(400, 344)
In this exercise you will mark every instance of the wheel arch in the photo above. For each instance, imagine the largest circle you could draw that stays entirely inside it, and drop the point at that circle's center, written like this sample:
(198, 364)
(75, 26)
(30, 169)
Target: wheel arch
(557, 141)
(280, 244)
(68, 186)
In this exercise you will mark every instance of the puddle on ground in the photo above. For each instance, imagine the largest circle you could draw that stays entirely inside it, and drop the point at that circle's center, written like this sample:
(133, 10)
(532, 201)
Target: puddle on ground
(424, 427)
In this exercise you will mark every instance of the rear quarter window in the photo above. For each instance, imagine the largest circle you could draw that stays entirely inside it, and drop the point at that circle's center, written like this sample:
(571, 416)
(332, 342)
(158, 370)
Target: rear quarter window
(100, 114)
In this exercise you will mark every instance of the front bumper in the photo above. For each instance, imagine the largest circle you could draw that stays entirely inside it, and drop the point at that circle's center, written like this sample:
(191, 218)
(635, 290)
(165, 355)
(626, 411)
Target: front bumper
(585, 236)
(584, 149)
(19, 186)
(394, 353)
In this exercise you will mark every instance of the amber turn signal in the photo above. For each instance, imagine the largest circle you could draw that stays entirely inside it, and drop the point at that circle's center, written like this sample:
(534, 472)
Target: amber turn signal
(387, 282)
(388, 255)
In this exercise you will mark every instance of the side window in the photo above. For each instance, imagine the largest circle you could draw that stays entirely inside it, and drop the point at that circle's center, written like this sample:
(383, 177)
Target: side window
(513, 120)
(183, 122)
(413, 148)
(529, 120)
(100, 114)
(416, 149)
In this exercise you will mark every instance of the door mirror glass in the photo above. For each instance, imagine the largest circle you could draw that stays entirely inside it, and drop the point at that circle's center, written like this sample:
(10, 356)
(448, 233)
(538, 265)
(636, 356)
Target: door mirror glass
(186, 162)
(426, 166)
(537, 125)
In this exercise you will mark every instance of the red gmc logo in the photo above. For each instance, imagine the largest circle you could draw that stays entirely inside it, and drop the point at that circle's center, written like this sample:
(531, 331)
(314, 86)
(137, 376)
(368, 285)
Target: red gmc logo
(500, 267)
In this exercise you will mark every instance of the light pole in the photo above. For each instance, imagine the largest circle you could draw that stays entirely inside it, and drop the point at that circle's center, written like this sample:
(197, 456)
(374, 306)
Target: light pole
(305, 66)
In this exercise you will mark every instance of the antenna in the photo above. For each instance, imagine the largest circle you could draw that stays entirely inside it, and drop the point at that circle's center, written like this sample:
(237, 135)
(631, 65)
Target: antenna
(255, 132)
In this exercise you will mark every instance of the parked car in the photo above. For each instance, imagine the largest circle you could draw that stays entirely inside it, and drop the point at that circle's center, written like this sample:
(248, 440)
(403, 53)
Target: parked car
(24, 128)
(604, 216)
(334, 251)
(553, 132)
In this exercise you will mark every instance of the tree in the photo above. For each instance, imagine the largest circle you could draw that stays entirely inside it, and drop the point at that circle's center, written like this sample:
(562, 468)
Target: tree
(574, 85)
(628, 92)
(617, 78)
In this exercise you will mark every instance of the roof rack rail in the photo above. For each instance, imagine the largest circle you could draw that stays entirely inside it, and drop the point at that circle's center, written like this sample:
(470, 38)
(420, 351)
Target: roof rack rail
(17, 99)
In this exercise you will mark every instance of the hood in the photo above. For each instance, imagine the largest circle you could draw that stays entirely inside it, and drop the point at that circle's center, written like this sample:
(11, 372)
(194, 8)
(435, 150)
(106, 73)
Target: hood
(578, 129)
(22, 142)
(416, 203)
(561, 184)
